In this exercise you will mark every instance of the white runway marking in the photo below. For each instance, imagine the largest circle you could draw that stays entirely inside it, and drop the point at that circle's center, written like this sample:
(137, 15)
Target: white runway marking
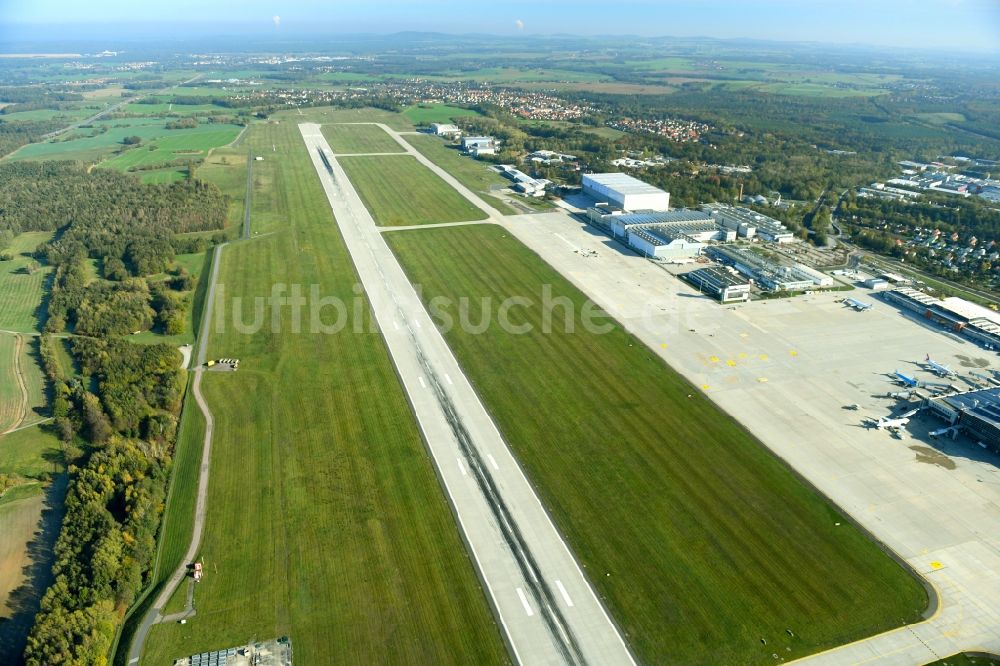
(493, 461)
(461, 466)
(524, 602)
(422, 384)
(395, 324)
(416, 322)
(448, 378)
(564, 593)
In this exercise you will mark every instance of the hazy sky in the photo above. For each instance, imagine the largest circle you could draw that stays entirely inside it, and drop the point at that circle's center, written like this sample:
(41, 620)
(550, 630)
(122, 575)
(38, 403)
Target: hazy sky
(964, 24)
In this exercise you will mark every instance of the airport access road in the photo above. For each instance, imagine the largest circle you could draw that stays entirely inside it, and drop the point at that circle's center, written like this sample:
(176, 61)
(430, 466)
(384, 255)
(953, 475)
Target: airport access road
(547, 608)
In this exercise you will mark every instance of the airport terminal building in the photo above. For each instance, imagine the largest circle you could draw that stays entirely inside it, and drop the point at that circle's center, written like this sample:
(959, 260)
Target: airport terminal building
(957, 314)
(976, 413)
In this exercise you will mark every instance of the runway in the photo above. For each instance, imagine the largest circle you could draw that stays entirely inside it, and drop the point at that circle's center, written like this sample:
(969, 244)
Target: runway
(546, 607)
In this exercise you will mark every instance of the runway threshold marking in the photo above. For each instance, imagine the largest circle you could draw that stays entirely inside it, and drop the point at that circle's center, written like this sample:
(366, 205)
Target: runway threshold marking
(524, 602)
(422, 384)
(461, 466)
(492, 461)
(564, 593)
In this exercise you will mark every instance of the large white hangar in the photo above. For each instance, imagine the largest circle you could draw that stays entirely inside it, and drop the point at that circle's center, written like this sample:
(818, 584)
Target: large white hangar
(623, 191)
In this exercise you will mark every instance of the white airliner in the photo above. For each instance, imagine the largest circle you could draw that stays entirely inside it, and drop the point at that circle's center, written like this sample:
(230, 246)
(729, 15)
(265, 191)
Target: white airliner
(897, 422)
(937, 368)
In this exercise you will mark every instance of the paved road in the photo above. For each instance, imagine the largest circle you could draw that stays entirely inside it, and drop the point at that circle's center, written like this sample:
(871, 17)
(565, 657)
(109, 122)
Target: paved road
(153, 615)
(547, 608)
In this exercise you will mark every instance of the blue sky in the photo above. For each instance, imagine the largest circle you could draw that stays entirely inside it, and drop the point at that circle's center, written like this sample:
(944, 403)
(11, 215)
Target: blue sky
(965, 24)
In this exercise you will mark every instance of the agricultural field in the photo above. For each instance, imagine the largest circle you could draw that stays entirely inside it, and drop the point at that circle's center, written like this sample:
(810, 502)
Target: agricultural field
(92, 144)
(475, 175)
(424, 114)
(23, 284)
(167, 108)
(704, 536)
(417, 196)
(326, 521)
(33, 454)
(360, 139)
(172, 145)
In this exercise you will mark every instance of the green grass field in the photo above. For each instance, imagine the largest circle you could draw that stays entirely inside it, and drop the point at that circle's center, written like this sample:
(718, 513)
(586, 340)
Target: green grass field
(424, 114)
(188, 144)
(32, 453)
(475, 175)
(22, 292)
(326, 521)
(360, 139)
(10, 392)
(963, 659)
(400, 191)
(693, 532)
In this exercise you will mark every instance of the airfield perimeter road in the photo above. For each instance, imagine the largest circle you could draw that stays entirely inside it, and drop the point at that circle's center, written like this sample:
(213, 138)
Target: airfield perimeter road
(153, 615)
(548, 610)
(784, 369)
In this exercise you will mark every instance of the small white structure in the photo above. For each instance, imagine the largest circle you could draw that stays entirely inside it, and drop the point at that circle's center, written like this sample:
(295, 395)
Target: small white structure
(625, 192)
(876, 283)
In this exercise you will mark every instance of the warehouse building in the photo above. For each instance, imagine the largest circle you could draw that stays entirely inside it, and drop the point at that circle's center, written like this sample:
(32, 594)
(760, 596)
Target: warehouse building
(748, 223)
(975, 413)
(723, 283)
(625, 192)
(768, 274)
(445, 129)
(975, 322)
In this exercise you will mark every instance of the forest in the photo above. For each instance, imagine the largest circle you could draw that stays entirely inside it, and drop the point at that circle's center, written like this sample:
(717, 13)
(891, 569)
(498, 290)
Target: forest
(118, 485)
(127, 228)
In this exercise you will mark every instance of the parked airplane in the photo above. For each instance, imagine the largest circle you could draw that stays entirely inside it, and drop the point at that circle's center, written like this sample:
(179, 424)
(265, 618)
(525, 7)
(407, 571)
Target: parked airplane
(937, 368)
(904, 380)
(857, 305)
(897, 422)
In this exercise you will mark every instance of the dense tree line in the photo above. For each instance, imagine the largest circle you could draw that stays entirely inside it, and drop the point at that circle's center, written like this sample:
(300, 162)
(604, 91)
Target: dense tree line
(113, 506)
(14, 134)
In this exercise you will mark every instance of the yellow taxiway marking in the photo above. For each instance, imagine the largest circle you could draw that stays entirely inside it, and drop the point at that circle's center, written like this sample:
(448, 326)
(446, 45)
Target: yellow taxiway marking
(744, 335)
(936, 565)
(762, 379)
(714, 359)
(763, 357)
(731, 363)
(663, 345)
(793, 353)
(704, 387)
(742, 355)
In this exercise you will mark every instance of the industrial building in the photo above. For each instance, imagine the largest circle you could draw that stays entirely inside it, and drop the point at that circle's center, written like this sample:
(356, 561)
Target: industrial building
(661, 235)
(479, 145)
(975, 413)
(723, 283)
(523, 182)
(748, 223)
(625, 192)
(768, 274)
(957, 314)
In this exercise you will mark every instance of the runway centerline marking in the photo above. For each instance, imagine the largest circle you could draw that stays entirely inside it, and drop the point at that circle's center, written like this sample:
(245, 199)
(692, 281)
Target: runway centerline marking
(524, 602)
